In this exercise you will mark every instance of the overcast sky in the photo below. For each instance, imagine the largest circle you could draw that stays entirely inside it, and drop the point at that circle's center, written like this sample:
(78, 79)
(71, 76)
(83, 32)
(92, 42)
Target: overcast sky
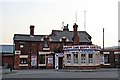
(17, 15)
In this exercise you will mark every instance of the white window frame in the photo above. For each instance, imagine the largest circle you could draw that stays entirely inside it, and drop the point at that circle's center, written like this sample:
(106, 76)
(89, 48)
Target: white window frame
(83, 59)
(75, 59)
(90, 60)
(68, 60)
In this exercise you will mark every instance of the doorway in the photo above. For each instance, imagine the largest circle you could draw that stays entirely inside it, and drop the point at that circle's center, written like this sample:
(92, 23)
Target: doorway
(60, 62)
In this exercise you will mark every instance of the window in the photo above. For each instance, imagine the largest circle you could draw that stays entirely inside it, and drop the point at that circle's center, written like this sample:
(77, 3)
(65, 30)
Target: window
(23, 61)
(75, 56)
(45, 44)
(83, 58)
(116, 58)
(90, 58)
(106, 58)
(42, 58)
(21, 45)
(68, 58)
(46, 39)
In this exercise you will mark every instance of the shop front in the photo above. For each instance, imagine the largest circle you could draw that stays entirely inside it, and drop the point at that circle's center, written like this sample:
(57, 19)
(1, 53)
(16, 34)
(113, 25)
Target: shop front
(82, 56)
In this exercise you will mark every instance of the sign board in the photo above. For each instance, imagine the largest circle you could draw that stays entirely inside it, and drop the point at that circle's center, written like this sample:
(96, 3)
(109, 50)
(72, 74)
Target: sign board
(57, 55)
(101, 59)
(56, 61)
(34, 60)
(50, 60)
(79, 47)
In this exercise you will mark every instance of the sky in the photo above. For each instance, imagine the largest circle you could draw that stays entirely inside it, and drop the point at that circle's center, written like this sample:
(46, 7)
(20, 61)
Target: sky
(16, 16)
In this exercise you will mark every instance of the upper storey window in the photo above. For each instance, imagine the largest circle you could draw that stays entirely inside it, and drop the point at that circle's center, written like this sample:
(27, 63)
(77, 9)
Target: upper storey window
(21, 44)
(46, 40)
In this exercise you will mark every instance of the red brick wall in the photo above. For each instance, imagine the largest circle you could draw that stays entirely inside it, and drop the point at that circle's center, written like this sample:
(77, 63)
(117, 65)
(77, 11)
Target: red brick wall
(112, 59)
(8, 60)
(16, 61)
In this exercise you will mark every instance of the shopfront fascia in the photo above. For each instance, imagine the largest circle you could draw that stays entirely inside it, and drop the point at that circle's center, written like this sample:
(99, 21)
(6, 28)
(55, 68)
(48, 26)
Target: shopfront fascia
(81, 55)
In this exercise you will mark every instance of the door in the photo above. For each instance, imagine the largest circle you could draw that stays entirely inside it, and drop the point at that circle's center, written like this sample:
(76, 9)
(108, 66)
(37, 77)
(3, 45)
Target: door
(60, 62)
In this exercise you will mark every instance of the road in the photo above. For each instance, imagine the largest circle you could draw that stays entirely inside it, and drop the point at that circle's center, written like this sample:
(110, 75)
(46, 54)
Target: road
(60, 74)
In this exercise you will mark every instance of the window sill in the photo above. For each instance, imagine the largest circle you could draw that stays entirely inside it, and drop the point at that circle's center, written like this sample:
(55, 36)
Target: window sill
(23, 64)
(46, 48)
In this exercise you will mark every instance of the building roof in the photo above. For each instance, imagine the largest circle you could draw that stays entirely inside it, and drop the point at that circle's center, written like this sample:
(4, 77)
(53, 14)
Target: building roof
(113, 48)
(6, 49)
(55, 36)
(26, 37)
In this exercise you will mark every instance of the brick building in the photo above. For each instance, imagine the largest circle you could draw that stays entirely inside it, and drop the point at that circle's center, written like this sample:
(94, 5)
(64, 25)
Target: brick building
(111, 57)
(38, 51)
(6, 54)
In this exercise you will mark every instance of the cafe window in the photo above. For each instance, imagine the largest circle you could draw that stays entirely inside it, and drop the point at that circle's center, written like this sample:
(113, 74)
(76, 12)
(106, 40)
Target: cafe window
(83, 58)
(23, 60)
(75, 56)
(90, 58)
(68, 58)
(42, 58)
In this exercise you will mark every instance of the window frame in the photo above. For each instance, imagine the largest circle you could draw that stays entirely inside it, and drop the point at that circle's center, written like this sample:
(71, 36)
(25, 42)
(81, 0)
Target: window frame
(90, 59)
(68, 58)
(75, 58)
(23, 61)
(42, 59)
(83, 59)
(106, 59)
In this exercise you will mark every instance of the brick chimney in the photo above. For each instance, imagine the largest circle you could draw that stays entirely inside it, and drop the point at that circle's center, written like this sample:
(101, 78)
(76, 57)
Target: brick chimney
(75, 35)
(32, 30)
(66, 28)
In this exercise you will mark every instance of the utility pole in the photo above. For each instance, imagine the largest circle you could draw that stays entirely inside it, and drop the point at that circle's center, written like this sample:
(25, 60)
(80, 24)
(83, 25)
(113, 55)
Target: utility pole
(103, 39)
(76, 17)
(85, 20)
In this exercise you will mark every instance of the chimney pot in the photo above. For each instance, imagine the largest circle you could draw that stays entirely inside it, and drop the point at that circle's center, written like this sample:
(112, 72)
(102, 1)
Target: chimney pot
(66, 28)
(32, 30)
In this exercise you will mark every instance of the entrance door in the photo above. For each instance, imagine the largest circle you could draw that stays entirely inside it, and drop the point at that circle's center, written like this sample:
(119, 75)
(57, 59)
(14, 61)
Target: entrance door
(60, 62)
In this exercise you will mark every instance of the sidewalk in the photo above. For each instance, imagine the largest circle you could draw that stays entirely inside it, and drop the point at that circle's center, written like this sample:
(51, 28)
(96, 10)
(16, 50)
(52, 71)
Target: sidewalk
(7, 71)
(91, 70)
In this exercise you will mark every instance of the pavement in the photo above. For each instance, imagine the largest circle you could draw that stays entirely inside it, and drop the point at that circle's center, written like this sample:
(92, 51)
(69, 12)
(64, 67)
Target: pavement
(90, 70)
(7, 71)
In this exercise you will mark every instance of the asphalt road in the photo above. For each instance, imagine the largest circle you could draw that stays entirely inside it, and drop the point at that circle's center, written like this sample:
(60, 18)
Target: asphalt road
(60, 74)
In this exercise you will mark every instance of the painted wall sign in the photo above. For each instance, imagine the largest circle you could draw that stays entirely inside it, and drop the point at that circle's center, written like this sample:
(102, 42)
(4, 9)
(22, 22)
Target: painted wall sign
(57, 55)
(79, 47)
(33, 60)
(101, 60)
(56, 61)
(50, 60)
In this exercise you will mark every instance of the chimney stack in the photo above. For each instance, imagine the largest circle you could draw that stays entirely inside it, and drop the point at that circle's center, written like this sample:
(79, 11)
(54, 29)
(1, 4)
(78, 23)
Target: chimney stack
(32, 30)
(66, 28)
(75, 35)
